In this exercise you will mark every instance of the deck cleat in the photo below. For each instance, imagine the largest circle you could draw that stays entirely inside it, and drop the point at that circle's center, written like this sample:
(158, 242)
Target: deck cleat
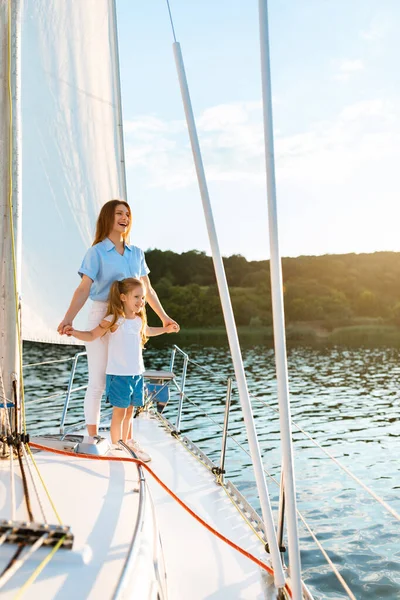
(21, 532)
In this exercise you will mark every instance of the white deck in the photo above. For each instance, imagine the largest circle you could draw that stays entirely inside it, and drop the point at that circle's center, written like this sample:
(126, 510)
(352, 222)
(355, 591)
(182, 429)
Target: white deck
(97, 499)
(198, 564)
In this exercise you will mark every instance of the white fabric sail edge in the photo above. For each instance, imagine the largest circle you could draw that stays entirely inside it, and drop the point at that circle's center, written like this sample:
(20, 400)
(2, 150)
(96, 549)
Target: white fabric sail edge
(70, 150)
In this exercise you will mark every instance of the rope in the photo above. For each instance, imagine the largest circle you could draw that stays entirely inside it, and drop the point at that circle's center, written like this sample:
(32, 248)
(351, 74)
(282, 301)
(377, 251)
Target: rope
(39, 569)
(11, 562)
(9, 400)
(219, 535)
(5, 535)
(197, 457)
(34, 484)
(25, 484)
(11, 569)
(43, 483)
(317, 542)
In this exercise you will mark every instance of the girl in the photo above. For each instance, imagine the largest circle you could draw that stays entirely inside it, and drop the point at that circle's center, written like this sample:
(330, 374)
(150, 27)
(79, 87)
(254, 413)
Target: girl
(126, 327)
(109, 258)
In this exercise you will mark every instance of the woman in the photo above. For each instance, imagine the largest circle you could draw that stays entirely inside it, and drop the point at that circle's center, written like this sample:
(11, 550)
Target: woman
(110, 258)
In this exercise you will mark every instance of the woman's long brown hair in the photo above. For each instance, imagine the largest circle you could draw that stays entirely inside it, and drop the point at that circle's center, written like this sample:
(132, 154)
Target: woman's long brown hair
(116, 306)
(105, 221)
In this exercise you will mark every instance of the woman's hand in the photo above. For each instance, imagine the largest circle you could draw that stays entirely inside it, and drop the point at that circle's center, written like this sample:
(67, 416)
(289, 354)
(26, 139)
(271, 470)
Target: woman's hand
(69, 330)
(64, 325)
(79, 298)
(171, 328)
(170, 322)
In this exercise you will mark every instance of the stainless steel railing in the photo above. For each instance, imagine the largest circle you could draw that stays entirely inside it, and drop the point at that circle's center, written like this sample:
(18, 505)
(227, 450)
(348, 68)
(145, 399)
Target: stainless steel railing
(70, 389)
(218, 470)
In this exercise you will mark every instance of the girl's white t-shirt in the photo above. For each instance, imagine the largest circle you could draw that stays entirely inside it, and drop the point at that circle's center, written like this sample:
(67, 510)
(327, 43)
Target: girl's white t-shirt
(125, 348)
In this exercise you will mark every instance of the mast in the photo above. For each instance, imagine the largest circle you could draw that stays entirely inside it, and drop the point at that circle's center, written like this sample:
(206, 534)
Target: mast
(10, 202)
(279, 576)
(118, 96)
(278, 314)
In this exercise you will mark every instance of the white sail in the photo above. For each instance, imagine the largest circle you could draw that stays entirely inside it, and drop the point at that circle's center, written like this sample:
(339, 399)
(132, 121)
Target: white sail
(72, 154)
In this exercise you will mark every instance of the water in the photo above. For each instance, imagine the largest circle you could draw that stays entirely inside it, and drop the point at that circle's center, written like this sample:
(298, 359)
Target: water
(346, 398)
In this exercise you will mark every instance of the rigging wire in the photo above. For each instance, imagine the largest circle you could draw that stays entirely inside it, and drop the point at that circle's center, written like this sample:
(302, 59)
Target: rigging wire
(336, 461)
(328, 560)
(49, 362)
(171, 20)
(57, 395)
(228, 434)
(377, 498)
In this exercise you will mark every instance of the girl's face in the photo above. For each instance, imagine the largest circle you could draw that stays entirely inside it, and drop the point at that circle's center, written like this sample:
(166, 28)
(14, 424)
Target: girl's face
(122, 219)
(135, 299)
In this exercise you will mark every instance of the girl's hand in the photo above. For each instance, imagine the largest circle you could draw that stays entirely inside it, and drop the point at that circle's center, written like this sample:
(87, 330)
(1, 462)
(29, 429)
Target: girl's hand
(171, 328)
(65, 323)
(69, 330)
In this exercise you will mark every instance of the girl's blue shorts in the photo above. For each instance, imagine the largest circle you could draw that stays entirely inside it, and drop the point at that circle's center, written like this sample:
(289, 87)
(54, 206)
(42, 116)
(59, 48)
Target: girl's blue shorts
(123, 391)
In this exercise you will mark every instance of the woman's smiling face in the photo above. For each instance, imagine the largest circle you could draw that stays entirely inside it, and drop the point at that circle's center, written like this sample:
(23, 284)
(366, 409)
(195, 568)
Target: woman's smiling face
(122, 217)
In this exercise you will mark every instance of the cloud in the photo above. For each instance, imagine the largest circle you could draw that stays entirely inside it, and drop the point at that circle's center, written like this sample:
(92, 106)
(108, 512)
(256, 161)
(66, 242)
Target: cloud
(361, 135)
(337, 178)
(346, 68)
(231, 137)
(376, 31)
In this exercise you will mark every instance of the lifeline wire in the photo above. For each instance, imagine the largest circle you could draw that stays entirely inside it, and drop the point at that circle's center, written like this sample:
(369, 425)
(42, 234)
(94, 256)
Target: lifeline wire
(345, 469)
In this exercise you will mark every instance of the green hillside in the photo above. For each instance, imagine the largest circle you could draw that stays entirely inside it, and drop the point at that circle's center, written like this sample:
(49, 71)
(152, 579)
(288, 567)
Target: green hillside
(329, 291)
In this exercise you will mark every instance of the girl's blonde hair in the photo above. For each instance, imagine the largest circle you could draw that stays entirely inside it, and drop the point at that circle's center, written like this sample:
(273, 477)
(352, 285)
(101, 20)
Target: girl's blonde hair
(105, 221)
(116, 306)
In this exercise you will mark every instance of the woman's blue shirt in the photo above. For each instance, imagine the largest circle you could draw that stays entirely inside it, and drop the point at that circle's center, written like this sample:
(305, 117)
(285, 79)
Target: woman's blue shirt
(103, 264)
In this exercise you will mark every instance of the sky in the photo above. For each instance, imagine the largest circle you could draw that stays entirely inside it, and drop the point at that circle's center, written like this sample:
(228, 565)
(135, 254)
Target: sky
(336, 92)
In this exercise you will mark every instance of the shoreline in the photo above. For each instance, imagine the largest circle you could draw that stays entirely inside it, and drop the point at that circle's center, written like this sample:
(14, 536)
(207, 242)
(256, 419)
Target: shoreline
(311, 333)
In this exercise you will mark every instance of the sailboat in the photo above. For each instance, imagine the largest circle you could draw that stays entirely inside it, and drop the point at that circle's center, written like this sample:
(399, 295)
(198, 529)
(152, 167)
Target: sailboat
(79, 519)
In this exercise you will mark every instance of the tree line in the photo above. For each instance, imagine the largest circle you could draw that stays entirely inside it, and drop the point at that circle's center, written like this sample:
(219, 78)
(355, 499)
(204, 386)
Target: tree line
(330, 289)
